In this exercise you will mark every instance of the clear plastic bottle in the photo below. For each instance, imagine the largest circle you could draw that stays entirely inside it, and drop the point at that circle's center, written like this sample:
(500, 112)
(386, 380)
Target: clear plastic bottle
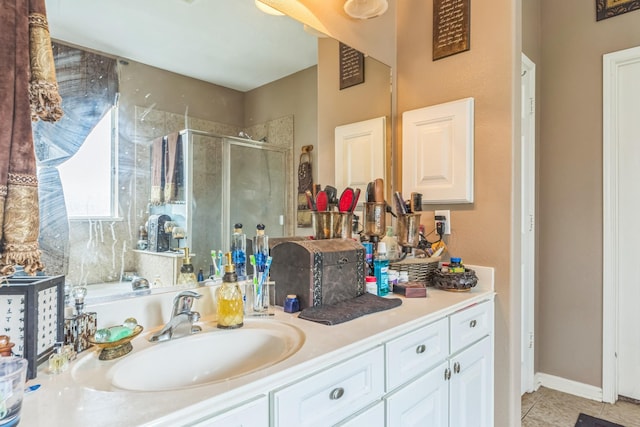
(381, 269)
(260, 253)
(391, 241)
(230, 308)
(239, 251)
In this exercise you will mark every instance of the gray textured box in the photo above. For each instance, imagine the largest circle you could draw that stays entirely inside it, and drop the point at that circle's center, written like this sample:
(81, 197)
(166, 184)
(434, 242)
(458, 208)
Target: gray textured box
(319, 272)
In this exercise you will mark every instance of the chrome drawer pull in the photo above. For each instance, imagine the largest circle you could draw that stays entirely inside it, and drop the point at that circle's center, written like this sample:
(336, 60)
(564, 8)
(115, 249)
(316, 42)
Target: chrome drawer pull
(456, 367)
(421, 349)
(473, 323)
(447, 374)
(336, 393)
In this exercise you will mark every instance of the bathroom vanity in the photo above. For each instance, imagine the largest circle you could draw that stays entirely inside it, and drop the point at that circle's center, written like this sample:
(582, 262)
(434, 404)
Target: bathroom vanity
(429, 361)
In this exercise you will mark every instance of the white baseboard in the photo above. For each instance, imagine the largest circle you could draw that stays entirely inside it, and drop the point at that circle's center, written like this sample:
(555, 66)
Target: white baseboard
(568, 386)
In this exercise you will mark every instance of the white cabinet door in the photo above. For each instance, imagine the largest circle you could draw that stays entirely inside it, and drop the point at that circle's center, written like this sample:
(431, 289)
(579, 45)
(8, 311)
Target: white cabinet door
(370, 417)
(471, 386)
(437, 152)
(423, 402)
(359, 153)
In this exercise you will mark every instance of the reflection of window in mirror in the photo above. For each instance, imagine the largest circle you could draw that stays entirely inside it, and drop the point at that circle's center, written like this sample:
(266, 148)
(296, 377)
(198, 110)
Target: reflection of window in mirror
(89, 176)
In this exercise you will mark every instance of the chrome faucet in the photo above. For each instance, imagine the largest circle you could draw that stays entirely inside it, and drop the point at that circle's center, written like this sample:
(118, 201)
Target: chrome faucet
(182, 318)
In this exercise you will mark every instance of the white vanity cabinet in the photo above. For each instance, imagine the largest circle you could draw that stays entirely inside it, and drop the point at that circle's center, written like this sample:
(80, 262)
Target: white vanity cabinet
(428, 362)
(446, 372)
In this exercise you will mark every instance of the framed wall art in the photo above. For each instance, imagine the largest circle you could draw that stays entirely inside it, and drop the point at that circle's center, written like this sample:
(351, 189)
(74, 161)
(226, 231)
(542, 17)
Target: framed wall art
(610, 8)
(451, 27)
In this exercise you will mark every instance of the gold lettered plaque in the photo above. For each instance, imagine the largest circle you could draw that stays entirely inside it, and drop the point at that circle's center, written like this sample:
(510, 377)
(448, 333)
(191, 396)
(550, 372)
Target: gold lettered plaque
(451, 27)
(351, 66)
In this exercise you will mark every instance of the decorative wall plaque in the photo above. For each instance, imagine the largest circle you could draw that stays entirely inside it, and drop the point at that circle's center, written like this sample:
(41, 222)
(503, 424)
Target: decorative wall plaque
(451, 27)
(608, 8)
(351, 66)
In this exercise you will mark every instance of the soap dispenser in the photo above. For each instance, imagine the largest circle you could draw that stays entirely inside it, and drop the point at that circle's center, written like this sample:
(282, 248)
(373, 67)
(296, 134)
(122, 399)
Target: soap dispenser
(187, 274)
(229, 298)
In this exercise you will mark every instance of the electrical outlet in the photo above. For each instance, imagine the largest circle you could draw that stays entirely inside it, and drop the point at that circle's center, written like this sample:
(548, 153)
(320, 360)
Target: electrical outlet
(447, 220)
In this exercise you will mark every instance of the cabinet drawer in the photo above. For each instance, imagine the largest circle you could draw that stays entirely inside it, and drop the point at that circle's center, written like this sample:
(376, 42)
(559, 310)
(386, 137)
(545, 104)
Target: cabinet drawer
(416, 352)
(333, 394)
(470, 324)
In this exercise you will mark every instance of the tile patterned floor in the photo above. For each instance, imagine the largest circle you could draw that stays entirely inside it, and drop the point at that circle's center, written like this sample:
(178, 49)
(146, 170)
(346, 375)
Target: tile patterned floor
(551, 408)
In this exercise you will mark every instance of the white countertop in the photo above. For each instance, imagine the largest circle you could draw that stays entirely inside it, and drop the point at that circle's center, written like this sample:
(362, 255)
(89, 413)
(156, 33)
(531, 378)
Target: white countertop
(61, 401)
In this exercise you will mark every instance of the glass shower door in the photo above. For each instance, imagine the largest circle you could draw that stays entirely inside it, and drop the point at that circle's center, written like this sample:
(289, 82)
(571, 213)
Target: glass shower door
(257, 183)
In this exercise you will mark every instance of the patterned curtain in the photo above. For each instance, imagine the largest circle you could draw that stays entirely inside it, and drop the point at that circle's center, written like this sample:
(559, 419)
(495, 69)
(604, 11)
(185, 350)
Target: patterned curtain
(88, 84)
(28, 92)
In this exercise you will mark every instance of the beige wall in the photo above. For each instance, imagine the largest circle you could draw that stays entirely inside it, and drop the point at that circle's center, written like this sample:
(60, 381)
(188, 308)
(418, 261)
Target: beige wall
(481, 232)
(295, 94)
(336, 107)
(162, 90)
(569, 306)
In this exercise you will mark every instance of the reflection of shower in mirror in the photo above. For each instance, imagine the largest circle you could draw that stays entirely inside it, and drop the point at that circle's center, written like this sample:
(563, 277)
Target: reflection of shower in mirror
(178, 233)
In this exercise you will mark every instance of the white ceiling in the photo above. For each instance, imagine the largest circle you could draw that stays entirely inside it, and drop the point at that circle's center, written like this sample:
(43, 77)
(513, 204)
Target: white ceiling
(227, 42)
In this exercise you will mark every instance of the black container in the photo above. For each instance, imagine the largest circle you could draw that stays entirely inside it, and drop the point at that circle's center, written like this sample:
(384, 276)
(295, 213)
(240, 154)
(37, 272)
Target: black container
(32, 312)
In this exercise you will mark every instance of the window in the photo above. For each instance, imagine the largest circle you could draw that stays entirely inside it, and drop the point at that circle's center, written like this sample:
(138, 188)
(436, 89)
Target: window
(89, 178)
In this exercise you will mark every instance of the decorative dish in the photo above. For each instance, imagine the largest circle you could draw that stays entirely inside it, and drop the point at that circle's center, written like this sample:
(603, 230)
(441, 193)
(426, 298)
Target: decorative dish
(113, 350)
(455, 282)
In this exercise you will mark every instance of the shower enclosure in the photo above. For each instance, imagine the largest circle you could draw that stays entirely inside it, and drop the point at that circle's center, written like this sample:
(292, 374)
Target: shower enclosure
(229, 180)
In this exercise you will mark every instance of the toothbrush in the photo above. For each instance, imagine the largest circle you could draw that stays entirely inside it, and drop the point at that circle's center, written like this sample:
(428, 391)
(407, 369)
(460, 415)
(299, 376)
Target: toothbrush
(252, 261)
(215, 264)
(219, 263)
(259, 304)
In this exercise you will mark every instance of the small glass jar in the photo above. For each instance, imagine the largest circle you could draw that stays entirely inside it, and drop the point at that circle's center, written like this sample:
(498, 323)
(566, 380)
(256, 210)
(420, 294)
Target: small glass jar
(403, 277)
(394, 278)
(455, 266)
(291, 304)
(58, 361)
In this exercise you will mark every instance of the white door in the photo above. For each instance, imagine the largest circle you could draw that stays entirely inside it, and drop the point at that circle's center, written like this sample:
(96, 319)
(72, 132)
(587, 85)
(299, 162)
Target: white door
(528, 200)
(621, 174)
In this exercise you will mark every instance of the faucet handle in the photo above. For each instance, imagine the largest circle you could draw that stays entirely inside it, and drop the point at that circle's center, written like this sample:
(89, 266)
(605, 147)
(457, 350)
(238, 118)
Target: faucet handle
(183, 302)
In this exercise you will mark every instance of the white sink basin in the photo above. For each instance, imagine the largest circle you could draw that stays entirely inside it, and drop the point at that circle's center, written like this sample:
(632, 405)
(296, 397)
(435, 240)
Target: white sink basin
(200, 359)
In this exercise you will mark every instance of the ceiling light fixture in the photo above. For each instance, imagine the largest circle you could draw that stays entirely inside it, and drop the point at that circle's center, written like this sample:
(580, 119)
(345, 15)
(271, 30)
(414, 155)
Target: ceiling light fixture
(365, 9)
(267, 9)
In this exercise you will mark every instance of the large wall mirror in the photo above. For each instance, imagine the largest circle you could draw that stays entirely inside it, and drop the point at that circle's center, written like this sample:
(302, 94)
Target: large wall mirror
(177, 84)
